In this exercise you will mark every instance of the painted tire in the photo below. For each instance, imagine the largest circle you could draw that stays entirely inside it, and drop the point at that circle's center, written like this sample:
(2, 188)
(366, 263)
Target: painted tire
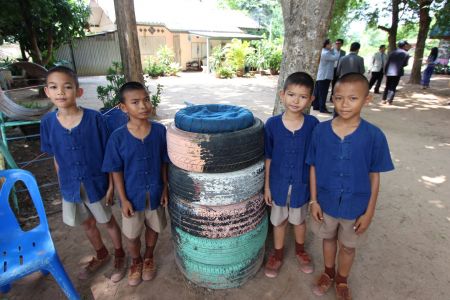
(218, 188)
(220, 277)
(220, 263)
(213, 118)
(216, 153)
(219, 221)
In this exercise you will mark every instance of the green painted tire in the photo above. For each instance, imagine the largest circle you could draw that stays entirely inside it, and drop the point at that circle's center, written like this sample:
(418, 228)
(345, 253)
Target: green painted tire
(220, 263)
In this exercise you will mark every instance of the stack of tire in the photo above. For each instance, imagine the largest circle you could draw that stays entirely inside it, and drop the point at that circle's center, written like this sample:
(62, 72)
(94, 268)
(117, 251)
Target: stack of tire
(217, 210)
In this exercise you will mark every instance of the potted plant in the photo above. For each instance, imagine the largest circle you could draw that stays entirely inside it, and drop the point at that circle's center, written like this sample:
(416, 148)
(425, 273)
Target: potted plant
(109, 95)
(253, 61)
(154, 68)
(156, 98)
(224, 72)
(236, 54)
(274, 61)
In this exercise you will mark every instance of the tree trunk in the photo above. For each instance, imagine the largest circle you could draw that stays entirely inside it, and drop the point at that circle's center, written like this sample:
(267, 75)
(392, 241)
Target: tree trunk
(424, 27)
(305, 25)
(35, 52)
(392, 31)
(128, 40)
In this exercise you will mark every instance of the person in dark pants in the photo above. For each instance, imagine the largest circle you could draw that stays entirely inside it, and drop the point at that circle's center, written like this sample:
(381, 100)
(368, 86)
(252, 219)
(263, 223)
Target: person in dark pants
(338, 44)
(324, 77)
(394, 69)
(378, 61)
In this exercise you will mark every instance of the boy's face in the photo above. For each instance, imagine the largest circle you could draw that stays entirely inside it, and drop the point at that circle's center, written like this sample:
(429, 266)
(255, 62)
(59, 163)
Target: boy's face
(296, 98)
(62, 90)
(349, 99)
(137, 104)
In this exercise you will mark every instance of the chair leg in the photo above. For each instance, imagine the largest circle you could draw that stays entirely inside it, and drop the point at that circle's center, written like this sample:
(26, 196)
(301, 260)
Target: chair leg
(5, 288)
(61, 277)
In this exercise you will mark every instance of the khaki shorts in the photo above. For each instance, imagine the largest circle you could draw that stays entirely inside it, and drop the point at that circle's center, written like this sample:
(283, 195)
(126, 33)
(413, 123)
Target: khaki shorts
(155, 219)
(342, 229)
(295, 216)
(75, 213)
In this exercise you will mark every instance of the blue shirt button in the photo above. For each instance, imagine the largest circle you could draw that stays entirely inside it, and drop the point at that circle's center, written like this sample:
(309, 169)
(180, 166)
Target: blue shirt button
(342, 190)
(342, 174)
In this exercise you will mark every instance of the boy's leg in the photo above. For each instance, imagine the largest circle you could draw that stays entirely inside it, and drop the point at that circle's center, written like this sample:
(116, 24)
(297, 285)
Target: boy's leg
(155, 222)
(94, 237)
(119, 255)
(132, 229)
(149, 269)
(275, 260)
(297, 217)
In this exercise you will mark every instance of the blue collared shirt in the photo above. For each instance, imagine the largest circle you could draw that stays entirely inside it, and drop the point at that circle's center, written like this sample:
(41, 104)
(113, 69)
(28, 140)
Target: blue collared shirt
(287, 151)
(343, 167)
(326, 65)
(79, 154)
(140, 161)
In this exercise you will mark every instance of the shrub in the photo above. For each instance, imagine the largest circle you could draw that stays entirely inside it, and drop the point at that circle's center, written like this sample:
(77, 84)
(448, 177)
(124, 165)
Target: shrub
(275, 59)
(109, 94)
(225, 71)
(156, 97)
(236, 54)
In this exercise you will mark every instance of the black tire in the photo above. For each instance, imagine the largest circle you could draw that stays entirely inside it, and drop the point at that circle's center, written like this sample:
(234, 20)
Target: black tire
(218, 221)
(216, 153)
(217, 188)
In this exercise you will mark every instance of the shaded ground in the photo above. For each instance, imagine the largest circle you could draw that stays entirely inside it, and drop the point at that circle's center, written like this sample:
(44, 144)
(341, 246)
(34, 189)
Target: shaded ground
(408, 252)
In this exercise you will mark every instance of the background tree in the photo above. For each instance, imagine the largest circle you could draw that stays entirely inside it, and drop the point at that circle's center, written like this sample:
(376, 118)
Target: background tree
(345, 12)
(40, 26)
(423, 9)
(128, 40)
(306, 24)
(266, 12)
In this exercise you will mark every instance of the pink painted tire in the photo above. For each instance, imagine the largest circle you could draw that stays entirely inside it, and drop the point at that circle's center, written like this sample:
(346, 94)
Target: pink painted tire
(216, 153)
(218, 221)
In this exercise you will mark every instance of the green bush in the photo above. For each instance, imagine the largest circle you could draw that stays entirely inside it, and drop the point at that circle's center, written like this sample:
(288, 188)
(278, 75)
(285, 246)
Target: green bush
(225, 72)
(109, 94)
(156, 98)
(236, 54)
(154, 68)
(275, 59)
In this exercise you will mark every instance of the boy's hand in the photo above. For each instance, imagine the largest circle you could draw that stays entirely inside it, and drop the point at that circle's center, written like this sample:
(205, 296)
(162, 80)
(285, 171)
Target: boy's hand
(316, 211)
(362, 223)
(165, 197)
(109, 197)
(267, 196)
(127, 209)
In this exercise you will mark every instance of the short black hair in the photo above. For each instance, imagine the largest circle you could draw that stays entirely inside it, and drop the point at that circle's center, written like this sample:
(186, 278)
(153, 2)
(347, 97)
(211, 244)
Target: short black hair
(402, 44)
(355, 46)
(352, 78)
(62, 69)
(382, 46)
(326, 42)
(130, 86)
(340, 41)
(299, 78)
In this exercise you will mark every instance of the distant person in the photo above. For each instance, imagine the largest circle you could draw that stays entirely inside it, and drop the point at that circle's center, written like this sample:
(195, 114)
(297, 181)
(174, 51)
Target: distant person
(352, 62)
(396, 62)
(379, 60)
(286, 189)
(337, 49)
(346, 156)
(324, 77)
(431, 63)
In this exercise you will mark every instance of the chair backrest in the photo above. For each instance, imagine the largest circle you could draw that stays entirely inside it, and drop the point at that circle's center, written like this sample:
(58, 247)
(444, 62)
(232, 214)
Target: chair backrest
(9, 226)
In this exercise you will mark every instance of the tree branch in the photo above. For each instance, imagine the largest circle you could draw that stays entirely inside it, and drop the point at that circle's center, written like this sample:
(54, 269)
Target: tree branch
(384, 28)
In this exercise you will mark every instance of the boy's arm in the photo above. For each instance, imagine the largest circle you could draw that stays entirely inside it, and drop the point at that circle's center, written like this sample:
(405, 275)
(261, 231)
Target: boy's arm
(165, 193)
(314, 206)
(363, 222)
(267, 194)
(110, 191)
(127, 207)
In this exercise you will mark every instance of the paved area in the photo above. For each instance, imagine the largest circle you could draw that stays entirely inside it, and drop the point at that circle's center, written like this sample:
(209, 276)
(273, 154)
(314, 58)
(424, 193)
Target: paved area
(408, 252)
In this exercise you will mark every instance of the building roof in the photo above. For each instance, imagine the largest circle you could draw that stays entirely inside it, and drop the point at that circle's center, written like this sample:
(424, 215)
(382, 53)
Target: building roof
(178, 15)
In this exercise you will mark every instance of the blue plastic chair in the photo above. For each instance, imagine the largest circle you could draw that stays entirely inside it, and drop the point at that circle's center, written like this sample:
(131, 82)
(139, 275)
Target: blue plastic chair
(25, 252)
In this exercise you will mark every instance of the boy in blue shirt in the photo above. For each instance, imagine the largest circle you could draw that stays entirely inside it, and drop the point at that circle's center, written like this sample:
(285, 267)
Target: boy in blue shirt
(76, 137)
(346, 157)
(136, 155)
(287, 138)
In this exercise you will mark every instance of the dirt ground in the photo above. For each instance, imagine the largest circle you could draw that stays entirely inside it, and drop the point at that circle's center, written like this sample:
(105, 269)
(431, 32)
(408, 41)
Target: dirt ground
(408, 251)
